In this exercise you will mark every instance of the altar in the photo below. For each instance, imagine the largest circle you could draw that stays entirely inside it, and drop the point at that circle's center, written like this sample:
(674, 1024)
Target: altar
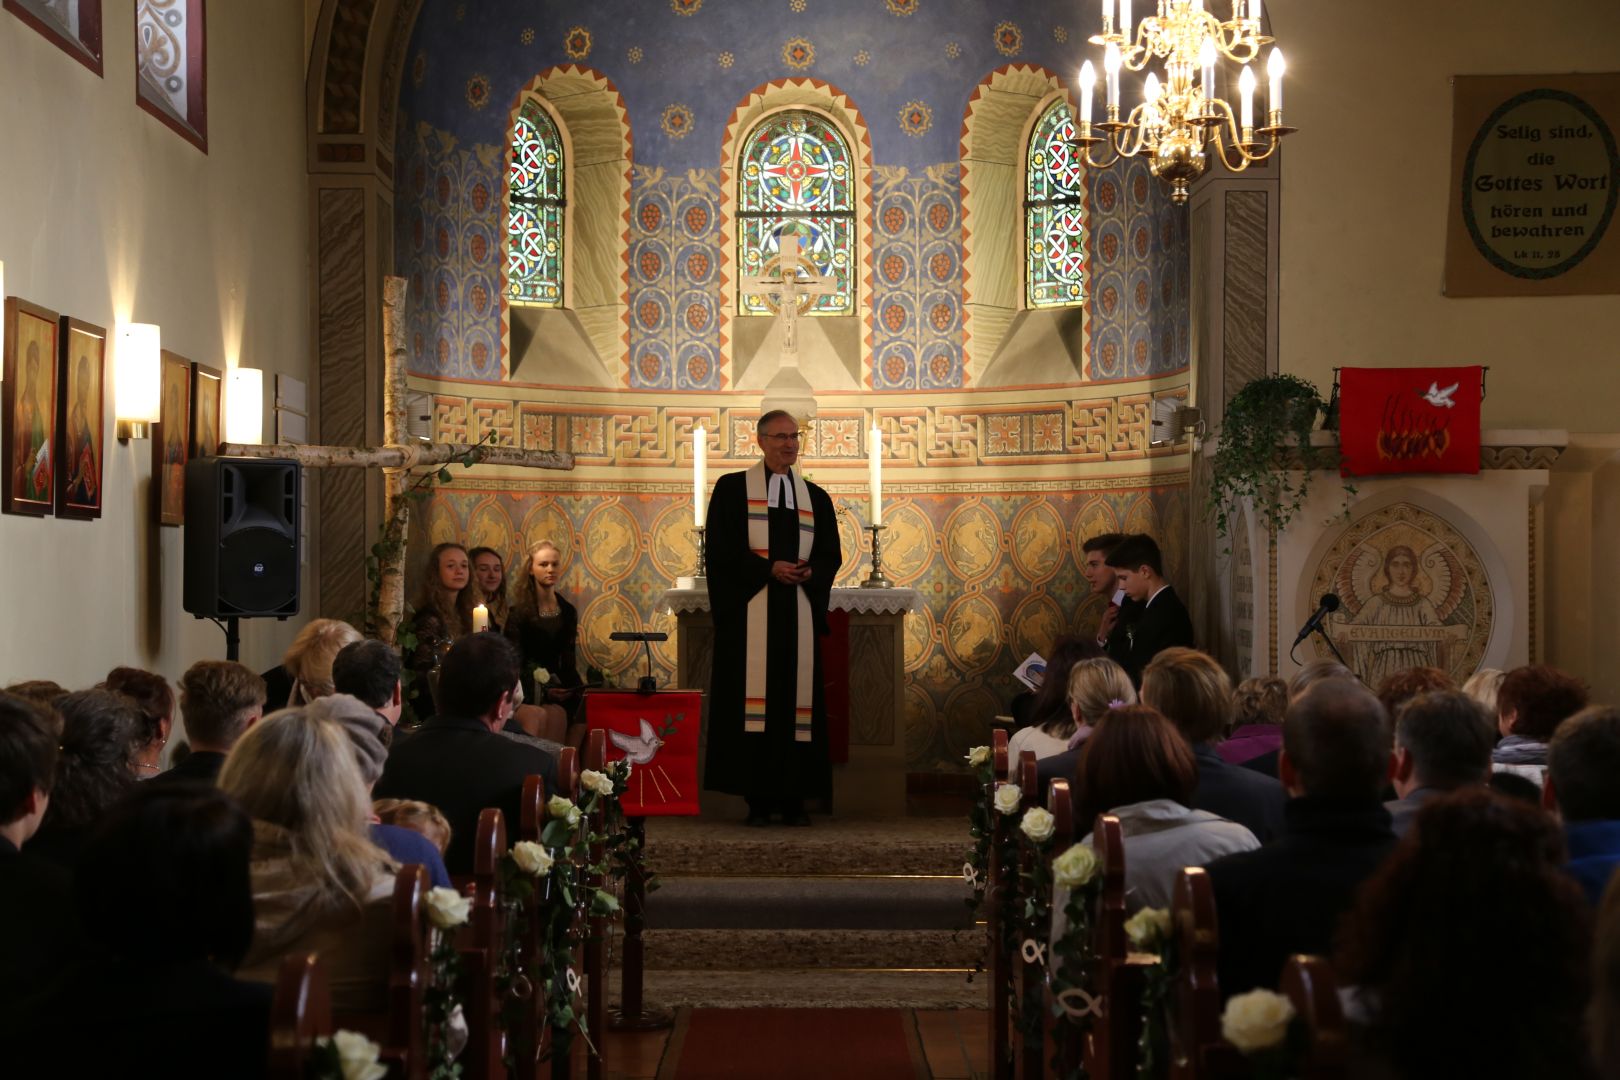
(863, 663)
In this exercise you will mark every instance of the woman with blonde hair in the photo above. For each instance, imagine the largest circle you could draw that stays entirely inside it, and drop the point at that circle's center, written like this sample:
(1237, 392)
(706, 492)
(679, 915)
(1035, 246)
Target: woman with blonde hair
(1195, 694)
(1095, 686)
(319, 883)
(308, 661)
(545, 628)
(1483, 686)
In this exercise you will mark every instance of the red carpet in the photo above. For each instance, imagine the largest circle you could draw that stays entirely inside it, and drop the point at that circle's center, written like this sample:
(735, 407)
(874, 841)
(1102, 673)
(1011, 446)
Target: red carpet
(787, 1044)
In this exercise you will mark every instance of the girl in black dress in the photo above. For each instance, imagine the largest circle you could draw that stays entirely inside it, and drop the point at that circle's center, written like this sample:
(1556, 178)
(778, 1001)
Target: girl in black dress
(545, 628)
(443, 615)
(489, 574)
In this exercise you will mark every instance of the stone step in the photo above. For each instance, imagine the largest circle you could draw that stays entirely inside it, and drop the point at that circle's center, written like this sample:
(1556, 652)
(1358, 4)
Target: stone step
(809, 903)
(763, 950)
(830, 846)
(812, 988)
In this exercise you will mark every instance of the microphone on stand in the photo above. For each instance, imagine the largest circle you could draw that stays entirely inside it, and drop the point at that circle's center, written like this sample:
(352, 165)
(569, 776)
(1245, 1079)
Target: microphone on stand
(1325, 607)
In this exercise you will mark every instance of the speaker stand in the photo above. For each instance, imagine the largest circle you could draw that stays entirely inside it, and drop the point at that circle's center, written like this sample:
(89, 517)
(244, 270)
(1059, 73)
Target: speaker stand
(232, 625)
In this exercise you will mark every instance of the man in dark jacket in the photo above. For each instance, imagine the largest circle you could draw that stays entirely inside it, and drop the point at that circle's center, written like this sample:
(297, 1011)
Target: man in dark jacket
(457, 761)
(1153, 618)
(1287, 897)
(219, 701)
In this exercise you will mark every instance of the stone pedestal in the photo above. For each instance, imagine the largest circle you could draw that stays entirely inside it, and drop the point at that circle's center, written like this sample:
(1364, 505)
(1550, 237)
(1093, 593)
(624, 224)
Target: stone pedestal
(872, 783)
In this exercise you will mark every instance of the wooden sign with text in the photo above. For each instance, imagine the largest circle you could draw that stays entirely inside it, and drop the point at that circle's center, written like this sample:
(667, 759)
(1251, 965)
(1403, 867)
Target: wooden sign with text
(1535, 176)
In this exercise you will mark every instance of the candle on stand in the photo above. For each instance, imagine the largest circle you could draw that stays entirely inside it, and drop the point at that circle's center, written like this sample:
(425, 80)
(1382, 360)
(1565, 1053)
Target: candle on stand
(700, 463)
(480, 619)
(1246, 85)
(1275, 66)
(875, 461)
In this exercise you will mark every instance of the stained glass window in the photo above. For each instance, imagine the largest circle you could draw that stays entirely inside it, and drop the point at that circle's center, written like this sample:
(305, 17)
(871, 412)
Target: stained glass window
(534, 217)
(795, 175)
(1054, 213)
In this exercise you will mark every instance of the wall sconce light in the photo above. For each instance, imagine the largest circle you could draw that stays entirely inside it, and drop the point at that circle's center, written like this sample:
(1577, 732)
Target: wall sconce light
(244, 406)
(137, 354)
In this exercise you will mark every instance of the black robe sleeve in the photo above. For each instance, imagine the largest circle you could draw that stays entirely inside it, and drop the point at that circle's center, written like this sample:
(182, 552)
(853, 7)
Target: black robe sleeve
(826, 556)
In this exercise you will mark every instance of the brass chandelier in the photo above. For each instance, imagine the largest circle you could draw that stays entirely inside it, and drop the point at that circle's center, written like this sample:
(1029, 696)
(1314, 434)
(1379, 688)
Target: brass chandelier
(1181, 123)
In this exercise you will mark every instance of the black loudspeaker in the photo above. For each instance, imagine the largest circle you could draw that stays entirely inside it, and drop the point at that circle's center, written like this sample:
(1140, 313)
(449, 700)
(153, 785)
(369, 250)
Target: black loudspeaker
(241, 537)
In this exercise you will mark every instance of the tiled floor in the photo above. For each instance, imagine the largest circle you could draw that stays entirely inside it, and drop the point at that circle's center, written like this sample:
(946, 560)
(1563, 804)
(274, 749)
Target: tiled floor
(955, 1043)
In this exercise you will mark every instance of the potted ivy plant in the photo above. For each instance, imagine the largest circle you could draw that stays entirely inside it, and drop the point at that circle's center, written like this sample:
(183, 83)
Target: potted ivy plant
(1267, 417)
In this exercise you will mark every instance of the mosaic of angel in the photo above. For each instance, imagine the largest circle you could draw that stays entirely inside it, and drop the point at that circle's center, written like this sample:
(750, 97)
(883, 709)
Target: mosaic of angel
(1403, 608)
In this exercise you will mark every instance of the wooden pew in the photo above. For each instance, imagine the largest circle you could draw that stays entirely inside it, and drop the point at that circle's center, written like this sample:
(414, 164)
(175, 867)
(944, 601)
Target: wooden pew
(1118, 973)
(1197, 1049)
(481, 943)
(524, 1043)
(595, 973)
(300, 1013)
(1000, 975)
(1060, 1039)
(1311, 987)
(398, 1029)
(568, 768)
(1028, 971)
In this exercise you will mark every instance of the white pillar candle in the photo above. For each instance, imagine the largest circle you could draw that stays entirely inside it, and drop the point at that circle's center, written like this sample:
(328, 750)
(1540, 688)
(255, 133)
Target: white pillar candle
(875, 463)
(700, 463)
(480, 619)
(1246, 85)
(1275, 66)
(1088, 82)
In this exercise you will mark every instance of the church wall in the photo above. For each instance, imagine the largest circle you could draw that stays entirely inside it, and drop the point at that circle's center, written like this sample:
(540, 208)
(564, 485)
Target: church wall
(110, 215)
(1365, 189)
(991, 483)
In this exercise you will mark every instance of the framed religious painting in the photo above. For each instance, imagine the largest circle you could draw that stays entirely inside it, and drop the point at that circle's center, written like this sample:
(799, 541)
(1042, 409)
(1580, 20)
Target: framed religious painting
(207, 417)
(81, 424)
(29, 404)
(171, 442)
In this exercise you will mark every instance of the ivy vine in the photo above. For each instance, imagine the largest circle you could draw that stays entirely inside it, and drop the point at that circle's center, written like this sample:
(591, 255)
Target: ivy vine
(1263, 421)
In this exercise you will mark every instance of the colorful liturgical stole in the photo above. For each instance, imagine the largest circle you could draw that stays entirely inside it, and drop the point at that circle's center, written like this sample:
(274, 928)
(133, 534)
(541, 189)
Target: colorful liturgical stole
(759, 541)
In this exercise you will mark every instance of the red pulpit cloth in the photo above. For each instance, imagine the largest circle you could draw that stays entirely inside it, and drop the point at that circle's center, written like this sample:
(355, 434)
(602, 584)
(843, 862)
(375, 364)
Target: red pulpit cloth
(1409, 420)
(659, 734)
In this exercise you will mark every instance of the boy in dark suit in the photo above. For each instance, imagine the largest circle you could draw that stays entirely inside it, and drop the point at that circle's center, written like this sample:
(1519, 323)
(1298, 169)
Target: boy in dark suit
(1154, 617)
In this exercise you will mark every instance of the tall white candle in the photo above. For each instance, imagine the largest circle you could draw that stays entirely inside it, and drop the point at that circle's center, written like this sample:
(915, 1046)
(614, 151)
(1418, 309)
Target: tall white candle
(480, 619)
(1125, 19)
(1111, 67)
(1275, 66)
(1246, 85)
(700, 463)
(1206, 57)
(1254, 10)
(875, 463)
(1088, 81)
(1108, 11)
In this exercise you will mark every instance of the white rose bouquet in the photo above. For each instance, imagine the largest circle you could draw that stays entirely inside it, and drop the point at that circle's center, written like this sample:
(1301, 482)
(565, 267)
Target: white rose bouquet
(1148, 929)
(531, 858)
(561, 808)
(1257, 1021)
(356, 1055)
(1038, 824)
(1075, 867)
(591, 780)
(1008, 798)
(447, 909)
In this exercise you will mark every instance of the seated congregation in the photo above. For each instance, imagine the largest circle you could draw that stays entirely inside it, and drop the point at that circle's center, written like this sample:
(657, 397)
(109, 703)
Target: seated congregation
(299, 870)
(1304, 879)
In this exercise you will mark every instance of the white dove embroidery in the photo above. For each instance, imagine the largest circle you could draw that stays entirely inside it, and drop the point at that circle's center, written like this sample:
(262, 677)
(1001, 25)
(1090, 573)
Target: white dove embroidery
(1440, 398)
(639, 750)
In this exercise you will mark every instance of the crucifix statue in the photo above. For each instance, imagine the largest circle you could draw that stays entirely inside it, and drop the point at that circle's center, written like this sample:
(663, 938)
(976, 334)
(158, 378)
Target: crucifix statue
(397, 459)
(789, 286)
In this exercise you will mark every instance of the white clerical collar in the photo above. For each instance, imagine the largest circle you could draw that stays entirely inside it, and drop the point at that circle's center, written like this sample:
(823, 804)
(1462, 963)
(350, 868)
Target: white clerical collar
(780, 491)
(1155, 595)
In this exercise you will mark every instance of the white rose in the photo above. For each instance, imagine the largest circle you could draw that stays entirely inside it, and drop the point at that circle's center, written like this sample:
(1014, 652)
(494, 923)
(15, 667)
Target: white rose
(531, 858)
(1008, 798)
(1148, 928)
(591, 780)
(541, 676)
(357, 1056)
(559, 807)
(1038, 824)
(1075, 867)
(447, 909)
(978, 756)
(1257, 1020)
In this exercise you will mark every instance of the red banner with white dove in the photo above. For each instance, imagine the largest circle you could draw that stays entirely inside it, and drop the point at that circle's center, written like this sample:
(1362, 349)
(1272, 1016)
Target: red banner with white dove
(659, 734)
(1409, 420)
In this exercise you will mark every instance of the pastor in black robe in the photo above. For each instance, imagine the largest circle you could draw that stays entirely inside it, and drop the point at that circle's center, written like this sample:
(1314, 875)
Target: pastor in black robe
(771, 767)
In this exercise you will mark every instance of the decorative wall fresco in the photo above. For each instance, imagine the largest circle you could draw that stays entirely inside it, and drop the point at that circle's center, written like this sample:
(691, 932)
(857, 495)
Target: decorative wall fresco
(999, 574)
